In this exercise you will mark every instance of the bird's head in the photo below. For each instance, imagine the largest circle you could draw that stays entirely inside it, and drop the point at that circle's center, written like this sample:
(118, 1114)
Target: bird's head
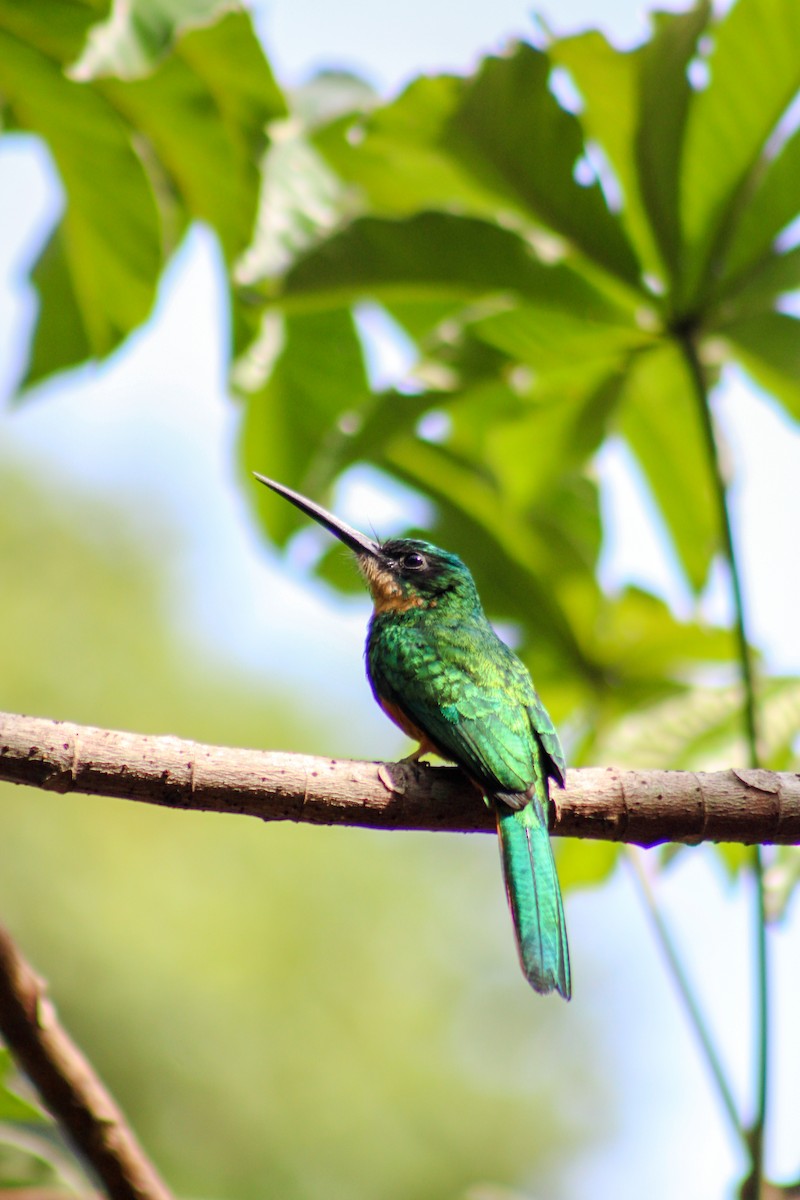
(401, 573)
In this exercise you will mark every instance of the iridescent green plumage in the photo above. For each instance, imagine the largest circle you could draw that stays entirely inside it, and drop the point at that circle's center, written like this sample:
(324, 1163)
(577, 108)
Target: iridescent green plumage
(440, 663)
(439, 670)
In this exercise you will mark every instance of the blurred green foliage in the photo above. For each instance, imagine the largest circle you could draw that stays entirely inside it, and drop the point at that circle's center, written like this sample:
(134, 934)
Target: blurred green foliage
(564, 242)
(280, 1010)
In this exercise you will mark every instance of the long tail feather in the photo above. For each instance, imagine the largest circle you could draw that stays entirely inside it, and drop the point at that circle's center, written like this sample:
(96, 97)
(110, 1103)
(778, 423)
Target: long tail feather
(534, 896)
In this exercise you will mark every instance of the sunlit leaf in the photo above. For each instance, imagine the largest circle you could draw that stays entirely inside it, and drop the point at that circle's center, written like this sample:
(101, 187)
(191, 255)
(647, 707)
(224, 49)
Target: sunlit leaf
(704, 729)
(220, 94)
(551, 340)
(330, 94)
(584, 863)
(396, 157)
(532, 159)
(107, 258)
(183, 143)
(608, 82)
(773, 206)
(60, 338)
(12, 1106)
(754, 75)
(429, 256)
(637, 637)
(139, 33)
(555, 433)
(768, 346)
(664, 105)
(300, 203)
(636, 104)
(56, 28)
(757, 289)
(291, 430)
(659, 418)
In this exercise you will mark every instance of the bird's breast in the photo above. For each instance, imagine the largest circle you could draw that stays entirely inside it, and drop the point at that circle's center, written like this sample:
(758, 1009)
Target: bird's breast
(396, 714)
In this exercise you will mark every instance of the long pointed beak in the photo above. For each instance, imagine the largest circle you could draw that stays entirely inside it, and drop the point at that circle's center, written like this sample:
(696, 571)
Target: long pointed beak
(345, 533)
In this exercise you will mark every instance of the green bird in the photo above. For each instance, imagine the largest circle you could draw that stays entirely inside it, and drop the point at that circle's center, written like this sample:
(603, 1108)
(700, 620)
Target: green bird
(441, 673)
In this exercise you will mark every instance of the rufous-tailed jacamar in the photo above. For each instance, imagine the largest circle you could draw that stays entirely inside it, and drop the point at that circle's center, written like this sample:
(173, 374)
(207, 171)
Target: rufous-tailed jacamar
(441, 673)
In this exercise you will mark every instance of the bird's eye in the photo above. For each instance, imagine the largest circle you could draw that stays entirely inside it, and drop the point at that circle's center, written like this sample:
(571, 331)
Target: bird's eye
(414, 561)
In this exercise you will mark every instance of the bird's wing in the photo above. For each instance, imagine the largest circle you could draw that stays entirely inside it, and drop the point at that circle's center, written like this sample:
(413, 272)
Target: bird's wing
(472, 697)
(546, 732)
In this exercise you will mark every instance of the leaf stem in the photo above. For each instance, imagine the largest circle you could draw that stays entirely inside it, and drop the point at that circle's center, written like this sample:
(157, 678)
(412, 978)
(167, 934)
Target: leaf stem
(729, 551)
(755, 1135)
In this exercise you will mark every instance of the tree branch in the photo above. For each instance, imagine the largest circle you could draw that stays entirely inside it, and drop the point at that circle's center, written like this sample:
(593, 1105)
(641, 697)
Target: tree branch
(67, 1084)
(643, 807)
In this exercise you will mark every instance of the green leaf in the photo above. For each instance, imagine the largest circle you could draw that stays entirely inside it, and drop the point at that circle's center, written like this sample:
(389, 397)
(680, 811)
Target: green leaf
(768, 346)
(584, 863)
(12, 1106)
(138, 160)
(56, 28)
(703, 729)
(430, 256)
(659, 420)
(553, 435)
(755, 75)
(773, 206)
(664, 104)
(292, 426)
(301, 201)
(219, 94)
(608, 81)
(756, 290)
(386, 417)
(531, 156)
(139, 33)
(107, 258)
(636, 103)
(396, 155)
(552, 340)
(60, 338)
(636, 619)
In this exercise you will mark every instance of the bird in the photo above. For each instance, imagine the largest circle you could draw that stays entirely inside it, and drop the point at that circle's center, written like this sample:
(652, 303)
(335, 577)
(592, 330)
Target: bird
(440, 672)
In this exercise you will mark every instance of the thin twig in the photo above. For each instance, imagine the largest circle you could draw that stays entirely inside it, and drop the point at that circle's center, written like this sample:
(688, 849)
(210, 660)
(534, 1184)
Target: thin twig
(749, 707)
(68, 1086)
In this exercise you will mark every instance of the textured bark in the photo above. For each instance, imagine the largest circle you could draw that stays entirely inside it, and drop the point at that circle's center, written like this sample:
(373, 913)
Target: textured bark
(67, 1084)
(643, 807)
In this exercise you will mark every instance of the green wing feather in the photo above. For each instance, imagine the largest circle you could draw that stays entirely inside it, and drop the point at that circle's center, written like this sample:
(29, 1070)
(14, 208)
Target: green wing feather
(471, 695)
(476, 702)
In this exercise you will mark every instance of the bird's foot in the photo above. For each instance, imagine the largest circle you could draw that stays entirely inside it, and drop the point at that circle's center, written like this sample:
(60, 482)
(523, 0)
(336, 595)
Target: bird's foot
(415, 756)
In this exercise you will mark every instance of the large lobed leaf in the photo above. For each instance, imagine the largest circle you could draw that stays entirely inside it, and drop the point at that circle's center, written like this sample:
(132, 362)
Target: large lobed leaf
(179, 143)
(432, 255)
(532, 157)
(754, 76)
(101, 266)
